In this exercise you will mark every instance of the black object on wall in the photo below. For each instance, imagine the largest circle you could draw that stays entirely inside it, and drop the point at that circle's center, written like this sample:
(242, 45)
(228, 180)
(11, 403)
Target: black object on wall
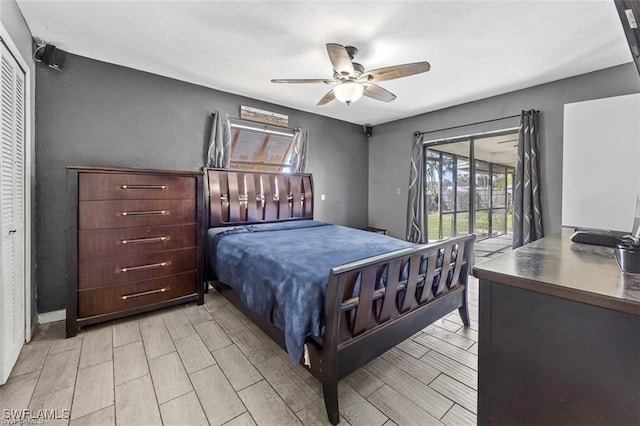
(368, 130)
(50, 55)
(629, 12)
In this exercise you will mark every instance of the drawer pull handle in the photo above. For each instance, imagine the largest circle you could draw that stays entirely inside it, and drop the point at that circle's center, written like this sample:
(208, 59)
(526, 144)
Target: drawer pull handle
(146, 213)
(143, 267)
(144, 187)
(144, 293)
(145, 240)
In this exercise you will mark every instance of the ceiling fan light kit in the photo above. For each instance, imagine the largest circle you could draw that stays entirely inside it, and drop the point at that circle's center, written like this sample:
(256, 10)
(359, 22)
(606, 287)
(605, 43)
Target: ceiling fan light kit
(352, 81)
(348, 92)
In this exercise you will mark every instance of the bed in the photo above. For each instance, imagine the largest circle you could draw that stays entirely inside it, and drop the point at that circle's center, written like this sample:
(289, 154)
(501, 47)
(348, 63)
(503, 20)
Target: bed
(333, 297)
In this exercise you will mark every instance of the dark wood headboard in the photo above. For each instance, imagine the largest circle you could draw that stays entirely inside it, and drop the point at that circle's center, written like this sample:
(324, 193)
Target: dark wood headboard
(238, 197)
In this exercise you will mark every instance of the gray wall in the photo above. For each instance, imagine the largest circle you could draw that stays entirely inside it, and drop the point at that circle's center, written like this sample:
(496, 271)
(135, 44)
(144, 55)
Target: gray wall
(14, 23)
(94, 113)
(390, 145)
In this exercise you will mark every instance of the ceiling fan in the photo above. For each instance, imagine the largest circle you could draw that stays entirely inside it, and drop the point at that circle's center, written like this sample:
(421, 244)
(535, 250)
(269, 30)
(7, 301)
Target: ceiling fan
(352, 81)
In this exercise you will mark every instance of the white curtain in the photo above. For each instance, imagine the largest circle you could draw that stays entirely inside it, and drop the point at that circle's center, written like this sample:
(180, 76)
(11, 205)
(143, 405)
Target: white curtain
(220, 141)
(299, 148)
(415, 205)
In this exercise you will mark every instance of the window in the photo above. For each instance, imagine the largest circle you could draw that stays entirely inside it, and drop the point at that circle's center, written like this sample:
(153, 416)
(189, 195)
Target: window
(259, 147)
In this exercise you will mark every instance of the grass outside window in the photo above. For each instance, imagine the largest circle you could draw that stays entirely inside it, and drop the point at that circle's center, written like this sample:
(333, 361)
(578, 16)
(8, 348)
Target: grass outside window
(482, 224)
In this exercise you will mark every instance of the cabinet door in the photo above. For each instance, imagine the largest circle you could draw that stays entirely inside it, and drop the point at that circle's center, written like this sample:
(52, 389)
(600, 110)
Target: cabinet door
(12, 129)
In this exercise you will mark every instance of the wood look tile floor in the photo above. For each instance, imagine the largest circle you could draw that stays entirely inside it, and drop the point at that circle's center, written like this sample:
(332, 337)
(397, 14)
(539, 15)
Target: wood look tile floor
(209, 365)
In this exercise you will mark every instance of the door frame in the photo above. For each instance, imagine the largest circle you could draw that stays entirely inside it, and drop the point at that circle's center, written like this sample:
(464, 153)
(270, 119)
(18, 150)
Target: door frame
(28, 171)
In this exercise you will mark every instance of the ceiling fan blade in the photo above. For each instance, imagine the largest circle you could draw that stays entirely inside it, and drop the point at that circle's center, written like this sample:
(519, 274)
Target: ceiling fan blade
(340, 59)
(302, 80)
(378, 93)
(396, 71)
(327, 98)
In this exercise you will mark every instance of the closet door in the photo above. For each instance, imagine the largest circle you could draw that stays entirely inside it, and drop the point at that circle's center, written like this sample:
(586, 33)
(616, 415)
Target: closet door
(12, 241)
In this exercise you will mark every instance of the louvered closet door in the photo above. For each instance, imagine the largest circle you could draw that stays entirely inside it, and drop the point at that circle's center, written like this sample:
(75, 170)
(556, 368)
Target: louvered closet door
(12, 212)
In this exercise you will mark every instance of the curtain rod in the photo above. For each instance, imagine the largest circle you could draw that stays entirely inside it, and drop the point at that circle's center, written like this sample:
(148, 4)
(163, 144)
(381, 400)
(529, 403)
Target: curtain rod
(418, 133)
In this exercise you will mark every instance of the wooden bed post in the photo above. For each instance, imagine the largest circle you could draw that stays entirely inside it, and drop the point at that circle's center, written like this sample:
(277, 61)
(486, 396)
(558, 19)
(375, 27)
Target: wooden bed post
(330, 393)
(333, 303)
(467, 250)
(464, 309)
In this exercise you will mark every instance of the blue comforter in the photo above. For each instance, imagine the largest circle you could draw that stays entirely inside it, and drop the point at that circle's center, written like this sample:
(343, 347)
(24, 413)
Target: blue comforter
(281, 270)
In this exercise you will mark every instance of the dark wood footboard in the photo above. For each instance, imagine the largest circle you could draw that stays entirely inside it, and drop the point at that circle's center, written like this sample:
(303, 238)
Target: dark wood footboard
(361, 326)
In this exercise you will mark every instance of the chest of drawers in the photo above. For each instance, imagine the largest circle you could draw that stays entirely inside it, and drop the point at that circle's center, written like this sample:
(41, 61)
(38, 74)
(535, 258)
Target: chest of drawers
(134, 242)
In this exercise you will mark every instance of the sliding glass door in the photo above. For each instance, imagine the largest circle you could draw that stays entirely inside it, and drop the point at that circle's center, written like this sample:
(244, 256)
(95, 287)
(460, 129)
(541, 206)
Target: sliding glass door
(493, 199)
(447, 186)
(468, 187)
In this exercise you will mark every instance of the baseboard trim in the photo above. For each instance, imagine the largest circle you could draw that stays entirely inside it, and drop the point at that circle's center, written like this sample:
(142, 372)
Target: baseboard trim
(52, 316)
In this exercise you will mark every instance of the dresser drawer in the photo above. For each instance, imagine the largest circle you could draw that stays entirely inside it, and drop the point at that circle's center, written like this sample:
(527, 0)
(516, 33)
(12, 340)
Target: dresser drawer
(134, 241)
(122, 297)
(127, 186)
(134, 213)
(106, 271)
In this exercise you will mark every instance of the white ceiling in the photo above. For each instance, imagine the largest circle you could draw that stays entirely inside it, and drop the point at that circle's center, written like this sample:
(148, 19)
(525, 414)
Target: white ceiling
(476, 48)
